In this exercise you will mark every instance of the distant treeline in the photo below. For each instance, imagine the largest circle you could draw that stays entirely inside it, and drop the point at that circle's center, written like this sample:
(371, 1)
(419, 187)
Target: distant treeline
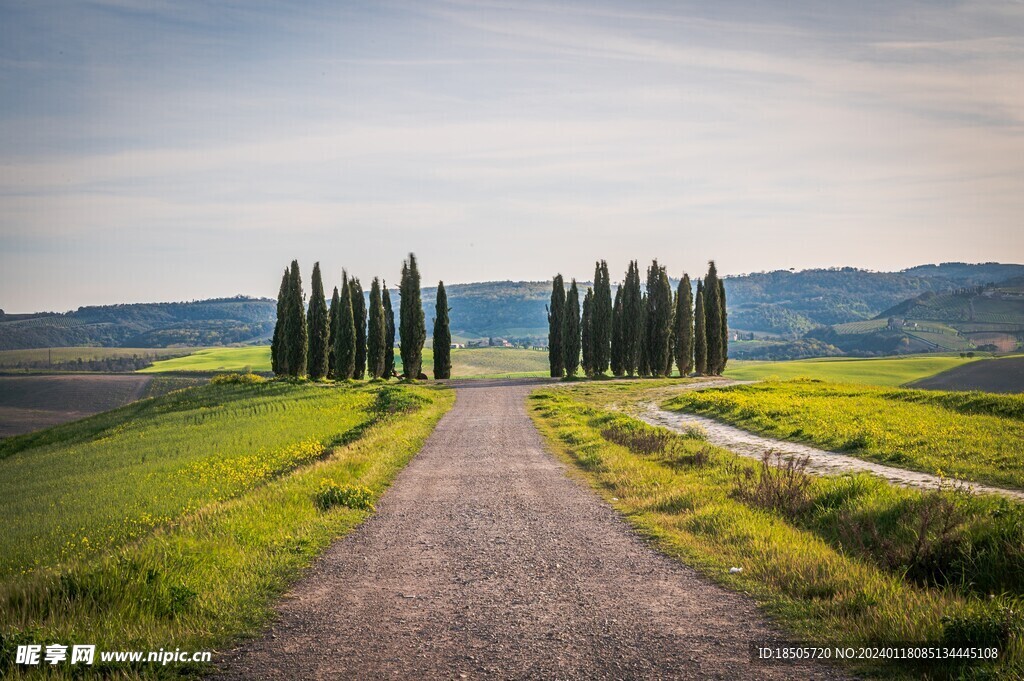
(641, 332)
(106, 364)
(355, 337)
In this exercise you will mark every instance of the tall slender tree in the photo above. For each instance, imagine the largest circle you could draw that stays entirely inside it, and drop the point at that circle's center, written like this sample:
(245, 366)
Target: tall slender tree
(587, 333)
(278, 356)
(683, 323)
(319, 330)
(571, 331)
(345, 338)
(713, 320)
(412, 327)
(389, 334)
(643, 364)
(376, 332)
(632, 322)
(296, 334)
(359, 321)
(725, 325)
(556, 320)
(616, 361)
(332, 325)
(601, 315)
(658, 322)
(442, 335)
(700, 339)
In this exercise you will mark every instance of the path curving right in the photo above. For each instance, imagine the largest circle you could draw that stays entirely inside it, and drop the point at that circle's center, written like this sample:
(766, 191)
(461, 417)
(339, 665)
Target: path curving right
(486, 560)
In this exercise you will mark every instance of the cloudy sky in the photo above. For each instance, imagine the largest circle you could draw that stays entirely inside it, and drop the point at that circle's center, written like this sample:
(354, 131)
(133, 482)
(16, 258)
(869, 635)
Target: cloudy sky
(155, 150)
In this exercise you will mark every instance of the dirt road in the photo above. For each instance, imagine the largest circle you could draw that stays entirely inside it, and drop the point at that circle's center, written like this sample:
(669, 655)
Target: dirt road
(485, 559)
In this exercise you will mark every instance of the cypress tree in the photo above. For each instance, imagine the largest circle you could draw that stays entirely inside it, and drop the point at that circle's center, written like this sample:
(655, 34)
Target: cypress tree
(278, 357)
(389, 334)
(318, 329)
(658, 322)
(556, 319)
(684, 327)
(587, 333)
(616, 362)
(345, 339)
(713, 320)
(332, 325)
(632, 322)
(643, 364)
(700, 340)
(725, 325)
(412, 328)
(601, 316)
(376, 332)
(571, 331)
(442, 335)
(296, 337)
(359, 321)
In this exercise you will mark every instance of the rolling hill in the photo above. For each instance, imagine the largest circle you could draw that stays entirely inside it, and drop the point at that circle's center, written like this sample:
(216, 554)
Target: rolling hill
(785, 305)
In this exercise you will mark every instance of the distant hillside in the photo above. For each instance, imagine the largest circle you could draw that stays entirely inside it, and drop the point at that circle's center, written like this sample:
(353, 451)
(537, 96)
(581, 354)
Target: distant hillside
(791, 303)
(784, 304)
(984, 317)
(220, 321)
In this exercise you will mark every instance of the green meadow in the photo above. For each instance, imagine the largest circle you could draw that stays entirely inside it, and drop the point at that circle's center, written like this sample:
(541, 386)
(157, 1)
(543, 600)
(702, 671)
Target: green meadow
(890, 371)
(466, 362)
(972, 436)
(176, 521)
(850, 559)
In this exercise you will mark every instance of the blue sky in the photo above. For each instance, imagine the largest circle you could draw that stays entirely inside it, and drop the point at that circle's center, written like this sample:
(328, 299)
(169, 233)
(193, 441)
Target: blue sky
(177, 150)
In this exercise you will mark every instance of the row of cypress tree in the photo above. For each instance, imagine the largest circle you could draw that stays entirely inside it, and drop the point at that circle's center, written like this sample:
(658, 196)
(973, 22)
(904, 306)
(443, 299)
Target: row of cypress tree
(353, 338)
(643, 330)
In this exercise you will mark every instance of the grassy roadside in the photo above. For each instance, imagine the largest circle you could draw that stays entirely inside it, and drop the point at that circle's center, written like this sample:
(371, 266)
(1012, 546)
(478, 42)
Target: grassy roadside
(200, 580)
(834, 559)
(971, 436)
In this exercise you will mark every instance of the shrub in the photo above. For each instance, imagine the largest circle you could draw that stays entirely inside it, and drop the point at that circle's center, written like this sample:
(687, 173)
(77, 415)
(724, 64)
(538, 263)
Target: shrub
(988, 625)
(351, 496)
(781, 484)
(239, 379)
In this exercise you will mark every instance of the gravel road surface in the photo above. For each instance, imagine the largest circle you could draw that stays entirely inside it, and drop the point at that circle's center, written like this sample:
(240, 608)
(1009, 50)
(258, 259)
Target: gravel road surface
(486, 560)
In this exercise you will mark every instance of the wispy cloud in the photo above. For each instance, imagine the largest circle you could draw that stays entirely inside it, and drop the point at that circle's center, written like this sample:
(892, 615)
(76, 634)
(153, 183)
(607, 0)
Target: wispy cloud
(150, 140)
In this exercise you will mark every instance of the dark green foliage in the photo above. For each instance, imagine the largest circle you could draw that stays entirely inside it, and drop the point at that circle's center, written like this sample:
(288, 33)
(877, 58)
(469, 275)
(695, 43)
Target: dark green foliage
(571, 331)
(556, 320)
(389, 333)
(700, 339)
(658, 323)
(643, 364)
(278, 358)
(345, 334)
(442, 336)
(632, 311)
(587, 333)
(332, 326)
(601, 318)
(725, 324)
(412, 327)
(713, 320)
(616, 359)
(318, 329)
(359, 321)
(295, 332)
(683, 327)
(376, 332)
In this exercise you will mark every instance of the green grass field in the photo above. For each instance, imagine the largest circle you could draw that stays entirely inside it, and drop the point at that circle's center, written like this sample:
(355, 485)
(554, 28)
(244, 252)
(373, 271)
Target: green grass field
(466, 362)
(973, 436)
(851, 559)
(175, 521)
(889, 371)
(249, 358)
